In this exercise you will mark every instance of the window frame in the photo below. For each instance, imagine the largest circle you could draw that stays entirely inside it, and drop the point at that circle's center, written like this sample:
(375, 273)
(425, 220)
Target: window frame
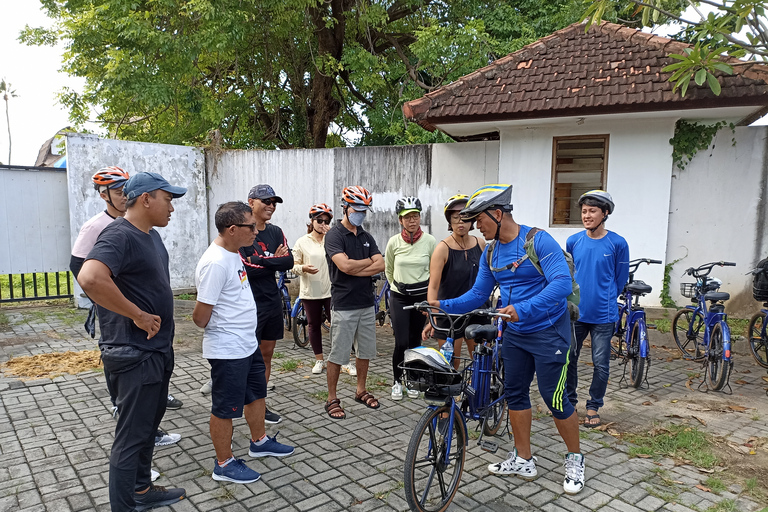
(553, 176)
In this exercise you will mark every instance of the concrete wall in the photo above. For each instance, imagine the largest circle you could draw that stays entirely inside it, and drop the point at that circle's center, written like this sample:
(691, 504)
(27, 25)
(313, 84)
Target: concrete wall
(638, 178)
(718, 212)
(34, 226)
(186, 236)
(304, 177)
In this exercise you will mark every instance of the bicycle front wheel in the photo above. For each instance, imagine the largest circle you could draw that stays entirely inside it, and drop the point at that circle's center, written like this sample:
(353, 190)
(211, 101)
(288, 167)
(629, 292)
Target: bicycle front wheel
(758, 344)
(300, 335)
(495, 416)
(431, 482)
(637, 363)
(687, 328)
(718, 368)
(620, 333)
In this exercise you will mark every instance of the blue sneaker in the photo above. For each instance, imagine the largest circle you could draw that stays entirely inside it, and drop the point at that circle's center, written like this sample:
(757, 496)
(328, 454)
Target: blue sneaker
(270, 447)
(236, 471)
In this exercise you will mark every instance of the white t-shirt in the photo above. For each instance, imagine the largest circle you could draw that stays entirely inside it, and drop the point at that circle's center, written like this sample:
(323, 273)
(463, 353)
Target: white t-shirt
(223, 283)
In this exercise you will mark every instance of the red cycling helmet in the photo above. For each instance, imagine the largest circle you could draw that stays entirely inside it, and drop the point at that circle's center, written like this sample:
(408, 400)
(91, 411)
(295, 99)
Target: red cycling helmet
(110, 177)
(319, 209)
(357, 197)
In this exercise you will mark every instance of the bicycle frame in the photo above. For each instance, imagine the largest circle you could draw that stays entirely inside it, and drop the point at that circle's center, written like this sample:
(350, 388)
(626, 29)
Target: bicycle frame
(710, 320)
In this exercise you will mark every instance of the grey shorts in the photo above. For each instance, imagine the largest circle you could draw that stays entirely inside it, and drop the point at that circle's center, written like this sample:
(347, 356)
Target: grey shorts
(350, 326)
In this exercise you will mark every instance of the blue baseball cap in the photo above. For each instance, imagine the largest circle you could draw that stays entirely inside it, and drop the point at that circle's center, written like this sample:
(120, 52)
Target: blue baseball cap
(149, 182)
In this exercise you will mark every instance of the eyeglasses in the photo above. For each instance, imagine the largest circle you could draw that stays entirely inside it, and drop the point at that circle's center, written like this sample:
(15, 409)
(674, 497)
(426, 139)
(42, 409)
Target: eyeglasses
(456, 219)
(323, 221)
(269, 202)
(252, 226)
(411, 217)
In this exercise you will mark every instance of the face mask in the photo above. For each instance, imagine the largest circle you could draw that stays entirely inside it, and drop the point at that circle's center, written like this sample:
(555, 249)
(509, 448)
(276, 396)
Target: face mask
(356, 218)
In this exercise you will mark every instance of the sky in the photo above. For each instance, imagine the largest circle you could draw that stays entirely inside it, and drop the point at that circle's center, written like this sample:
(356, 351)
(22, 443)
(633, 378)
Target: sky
(33, 72)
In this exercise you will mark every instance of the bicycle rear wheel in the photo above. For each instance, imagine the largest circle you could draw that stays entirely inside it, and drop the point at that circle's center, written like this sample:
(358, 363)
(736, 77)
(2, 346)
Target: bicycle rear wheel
(620, 333)
(637, 363)
(430, 482)
(300, 334)
(718, 368)
(687, 328)
(495, 416)
(758, 344)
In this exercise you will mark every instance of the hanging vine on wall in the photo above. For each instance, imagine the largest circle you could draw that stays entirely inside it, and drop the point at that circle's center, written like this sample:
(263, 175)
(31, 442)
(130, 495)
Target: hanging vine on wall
(690, 138)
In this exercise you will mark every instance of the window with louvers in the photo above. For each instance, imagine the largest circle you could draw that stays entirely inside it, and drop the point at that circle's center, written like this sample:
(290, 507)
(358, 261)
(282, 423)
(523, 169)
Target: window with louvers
(579, 164)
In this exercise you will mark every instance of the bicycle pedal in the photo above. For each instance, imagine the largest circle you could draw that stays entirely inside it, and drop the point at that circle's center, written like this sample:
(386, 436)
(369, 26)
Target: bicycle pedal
(489, 446)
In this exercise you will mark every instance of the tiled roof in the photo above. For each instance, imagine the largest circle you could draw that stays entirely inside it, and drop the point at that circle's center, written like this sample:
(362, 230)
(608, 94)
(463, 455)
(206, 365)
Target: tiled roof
(608, 69)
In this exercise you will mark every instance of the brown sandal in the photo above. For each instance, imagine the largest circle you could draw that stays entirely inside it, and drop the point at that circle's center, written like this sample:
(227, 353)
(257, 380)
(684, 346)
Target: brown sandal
(333, 408)
(367, 399)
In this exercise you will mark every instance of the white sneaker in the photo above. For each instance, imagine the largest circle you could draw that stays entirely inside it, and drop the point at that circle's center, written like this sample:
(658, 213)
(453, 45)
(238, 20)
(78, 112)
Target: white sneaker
(574, 473)
(515, 465)
(350, 368)
(154, 475)
(163, 438)
(319, 365)
(397, 391)
(207, 387)
(412, 393)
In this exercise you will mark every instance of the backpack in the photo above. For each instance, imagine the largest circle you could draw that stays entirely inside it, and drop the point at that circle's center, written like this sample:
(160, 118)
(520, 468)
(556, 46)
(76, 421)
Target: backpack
(530, 253)
(760, 282)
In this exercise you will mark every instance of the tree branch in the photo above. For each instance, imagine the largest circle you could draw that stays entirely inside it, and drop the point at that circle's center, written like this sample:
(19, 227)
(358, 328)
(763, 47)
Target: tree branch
(344, 74)
(411, 70)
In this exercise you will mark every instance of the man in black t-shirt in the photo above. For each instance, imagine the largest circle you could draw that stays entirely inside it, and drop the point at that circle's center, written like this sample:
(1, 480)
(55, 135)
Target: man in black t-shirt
(353, 257)
(268, 254)
(126, 274)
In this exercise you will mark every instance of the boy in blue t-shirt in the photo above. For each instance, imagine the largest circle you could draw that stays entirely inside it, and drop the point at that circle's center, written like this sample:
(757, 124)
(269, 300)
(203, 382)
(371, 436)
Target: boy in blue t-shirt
(601, 258)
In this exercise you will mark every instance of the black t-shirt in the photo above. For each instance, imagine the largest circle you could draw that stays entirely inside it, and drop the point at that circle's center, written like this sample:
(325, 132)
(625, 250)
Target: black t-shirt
(262, 280)
(139, 265)
(349, 292)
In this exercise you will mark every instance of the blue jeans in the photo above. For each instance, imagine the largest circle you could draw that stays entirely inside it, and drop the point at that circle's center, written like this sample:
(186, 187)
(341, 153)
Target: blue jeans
(601, 335)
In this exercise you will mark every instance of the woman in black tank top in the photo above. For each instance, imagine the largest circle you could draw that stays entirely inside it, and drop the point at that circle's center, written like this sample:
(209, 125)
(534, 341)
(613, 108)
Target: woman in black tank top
(453, 269)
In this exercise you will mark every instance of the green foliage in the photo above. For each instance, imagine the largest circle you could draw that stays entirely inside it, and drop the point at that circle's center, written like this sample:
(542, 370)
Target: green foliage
(733, 28)
(278, 73)
(666, 298)
(690, 138)
(34, 281)
(289, 365)
(715, 485)
(4, 321)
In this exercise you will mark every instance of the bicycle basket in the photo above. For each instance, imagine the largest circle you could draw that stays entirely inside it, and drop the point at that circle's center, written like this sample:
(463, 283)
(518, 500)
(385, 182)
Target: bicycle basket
(425, 369)
(760, 282)
(688, 290)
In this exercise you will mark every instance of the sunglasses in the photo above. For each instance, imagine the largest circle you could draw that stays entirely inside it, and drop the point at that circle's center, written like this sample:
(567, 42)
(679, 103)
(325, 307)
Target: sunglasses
(323, 221)
(252, 226)
(268, 202)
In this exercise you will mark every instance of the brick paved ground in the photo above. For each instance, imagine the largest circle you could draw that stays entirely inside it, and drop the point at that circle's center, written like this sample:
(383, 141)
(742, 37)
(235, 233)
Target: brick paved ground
(55, 437)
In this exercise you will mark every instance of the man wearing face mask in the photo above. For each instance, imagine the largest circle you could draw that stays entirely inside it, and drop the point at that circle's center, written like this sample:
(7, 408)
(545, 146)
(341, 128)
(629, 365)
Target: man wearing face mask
(353, 257)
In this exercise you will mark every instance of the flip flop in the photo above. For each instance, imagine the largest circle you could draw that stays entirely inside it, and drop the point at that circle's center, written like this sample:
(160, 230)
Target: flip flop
(334, 407)
(367, 399)
(588, 421)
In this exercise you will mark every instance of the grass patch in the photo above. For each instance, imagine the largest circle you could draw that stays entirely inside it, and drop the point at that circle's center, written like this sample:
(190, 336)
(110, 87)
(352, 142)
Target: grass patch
(322, 396)
(289, 365)
(377, 384)
(277, 355)
(669, 497)
(384, 495)
(739, 326)
(4, 322)
(724, 506)
(681, 442)
(715, 484)
(186, 296)
(663, 325)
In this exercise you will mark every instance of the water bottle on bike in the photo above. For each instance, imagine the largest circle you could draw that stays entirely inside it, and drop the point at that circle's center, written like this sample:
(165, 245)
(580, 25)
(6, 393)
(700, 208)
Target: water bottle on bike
(447, 350)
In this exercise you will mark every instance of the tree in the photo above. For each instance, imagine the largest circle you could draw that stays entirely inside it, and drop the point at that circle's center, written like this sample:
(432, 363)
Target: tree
(733, 28)
(278, 73)
(5, 88)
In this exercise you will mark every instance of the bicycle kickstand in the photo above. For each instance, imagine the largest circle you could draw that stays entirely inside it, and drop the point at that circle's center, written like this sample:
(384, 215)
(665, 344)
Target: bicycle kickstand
(645, 377)
(728, 381)
(623, 375)
(704, 380)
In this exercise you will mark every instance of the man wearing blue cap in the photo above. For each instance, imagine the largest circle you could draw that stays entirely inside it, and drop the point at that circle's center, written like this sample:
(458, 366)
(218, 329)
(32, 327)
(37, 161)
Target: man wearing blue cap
(127, 274)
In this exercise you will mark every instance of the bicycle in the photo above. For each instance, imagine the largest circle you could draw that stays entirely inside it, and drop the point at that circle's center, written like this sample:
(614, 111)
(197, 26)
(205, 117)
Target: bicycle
(632, 321)
(299, 316)
(283, 278)
(381, 314)
(435, 457)
(758, 340)
(713, 347)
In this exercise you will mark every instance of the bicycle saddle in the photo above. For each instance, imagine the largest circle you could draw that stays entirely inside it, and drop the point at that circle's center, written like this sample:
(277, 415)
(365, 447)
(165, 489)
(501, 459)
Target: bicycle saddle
(480, 333)
(715, 296)
(639, 287)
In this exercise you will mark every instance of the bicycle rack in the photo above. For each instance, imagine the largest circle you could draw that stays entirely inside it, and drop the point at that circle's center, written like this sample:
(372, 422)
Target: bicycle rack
(623, 379)
(727, 382)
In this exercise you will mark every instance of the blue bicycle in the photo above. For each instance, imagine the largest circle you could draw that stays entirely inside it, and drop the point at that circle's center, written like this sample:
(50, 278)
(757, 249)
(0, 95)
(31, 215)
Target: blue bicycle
(758, 340)
(633, 350)
(383, 295)
(299, 317)
(701, 332)
(435, 457)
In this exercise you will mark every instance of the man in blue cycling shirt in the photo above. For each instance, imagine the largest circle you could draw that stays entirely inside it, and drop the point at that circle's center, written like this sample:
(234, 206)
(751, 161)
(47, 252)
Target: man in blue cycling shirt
(537, 337)
(601, 258)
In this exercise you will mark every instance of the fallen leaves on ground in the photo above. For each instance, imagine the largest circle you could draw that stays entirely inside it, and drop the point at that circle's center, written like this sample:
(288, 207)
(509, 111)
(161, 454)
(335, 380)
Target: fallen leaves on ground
(703, 488)
(738, 408)
(700, 420)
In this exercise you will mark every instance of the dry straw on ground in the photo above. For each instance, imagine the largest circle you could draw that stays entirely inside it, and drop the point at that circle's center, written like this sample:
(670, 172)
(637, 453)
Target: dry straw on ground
(48, 366)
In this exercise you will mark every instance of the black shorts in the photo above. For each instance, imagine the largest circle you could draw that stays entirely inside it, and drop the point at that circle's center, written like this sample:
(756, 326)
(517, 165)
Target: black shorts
(270, 326)
(236, 382)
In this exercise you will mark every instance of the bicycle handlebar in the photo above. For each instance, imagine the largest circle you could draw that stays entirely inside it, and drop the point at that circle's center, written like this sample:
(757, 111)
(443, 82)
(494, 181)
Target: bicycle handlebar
(433, 311)
(700, 271)
(635, 264)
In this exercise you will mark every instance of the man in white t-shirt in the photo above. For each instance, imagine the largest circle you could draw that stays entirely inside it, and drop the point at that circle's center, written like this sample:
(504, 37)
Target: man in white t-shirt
(226, 309)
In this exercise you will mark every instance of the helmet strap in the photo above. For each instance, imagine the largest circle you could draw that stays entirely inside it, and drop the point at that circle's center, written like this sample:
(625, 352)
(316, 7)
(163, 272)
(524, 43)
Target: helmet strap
(498, 224)
(110, 203)
(592, 230)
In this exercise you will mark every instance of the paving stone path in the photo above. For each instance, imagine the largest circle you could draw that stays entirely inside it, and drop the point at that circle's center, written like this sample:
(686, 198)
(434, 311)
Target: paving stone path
(55, 437)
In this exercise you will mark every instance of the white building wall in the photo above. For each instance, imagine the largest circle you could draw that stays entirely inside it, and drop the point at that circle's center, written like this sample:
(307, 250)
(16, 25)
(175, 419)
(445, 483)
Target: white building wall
(186, 236)
(718, 212)
(638, 178)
